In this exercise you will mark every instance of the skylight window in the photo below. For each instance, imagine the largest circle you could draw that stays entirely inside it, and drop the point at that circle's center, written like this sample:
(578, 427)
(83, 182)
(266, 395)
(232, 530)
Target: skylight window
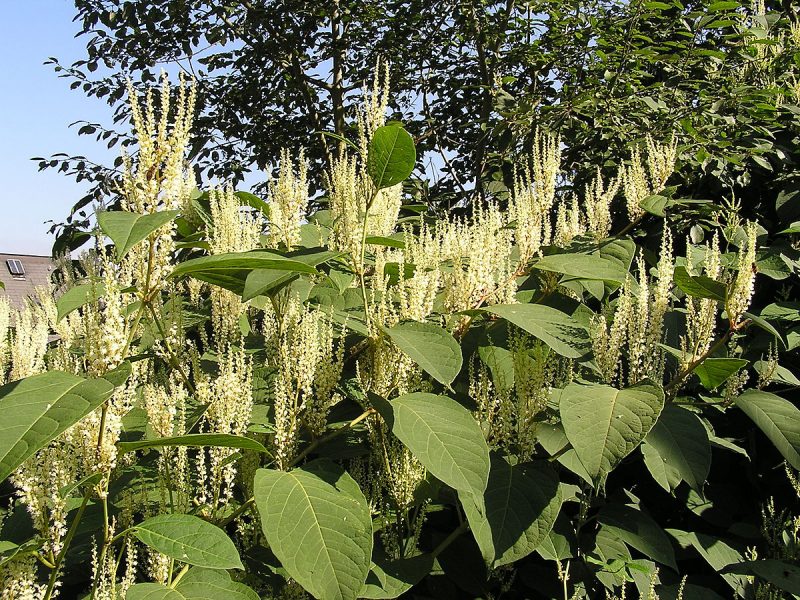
(15, 268)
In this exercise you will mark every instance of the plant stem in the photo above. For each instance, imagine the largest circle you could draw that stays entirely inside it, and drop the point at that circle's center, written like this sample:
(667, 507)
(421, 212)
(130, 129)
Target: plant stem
(239, 511)
(179, 576)
(450, 538)
(333, 434)
(51, 584)
(680, 377)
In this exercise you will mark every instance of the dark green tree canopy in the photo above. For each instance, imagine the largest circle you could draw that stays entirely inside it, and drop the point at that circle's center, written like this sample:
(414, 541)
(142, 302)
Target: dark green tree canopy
(472, 81)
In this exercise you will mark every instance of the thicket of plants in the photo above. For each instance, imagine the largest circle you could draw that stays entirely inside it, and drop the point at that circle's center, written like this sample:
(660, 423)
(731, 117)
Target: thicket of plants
(580, 383)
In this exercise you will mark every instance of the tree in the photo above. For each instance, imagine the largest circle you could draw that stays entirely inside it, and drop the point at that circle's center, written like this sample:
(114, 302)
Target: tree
(472, 81)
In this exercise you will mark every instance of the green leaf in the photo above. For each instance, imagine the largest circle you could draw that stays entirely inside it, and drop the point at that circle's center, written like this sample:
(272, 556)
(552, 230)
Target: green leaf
(126, 229)
(699, 286)
(779, 419)
(391, 156)
(716, 553)
(216, 440)
(765, 325)
(501, 364)
(391, 242)
(445, 438)
(431, 347)
(152, 591)
(231, 270)
(77, 296)
(253, 201)
(521, 506)
(677, 449)
(37, 409)
(713, 372)
(638, 530)
(656, 205)
(605, 424)
(190, 540)
(558, 330)
(318, 523)
(263, 281)
(782, 574)
(389, 578)
(210, 584)
(583, 266)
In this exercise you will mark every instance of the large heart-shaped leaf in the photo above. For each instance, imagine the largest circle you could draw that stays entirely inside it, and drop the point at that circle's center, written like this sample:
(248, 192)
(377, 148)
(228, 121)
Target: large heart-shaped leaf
(230, 270)
(391, 156)
(211, 584)
(445, 438)
(126, 229)
(37, 409)
(152, 591)
(605, 424)
(390, 578)
(583, 266)
(699, 286)
(269, 281)
(521, 506)
(713, 372)
(430, 346)
(638, 530)
(318, 524)
(77, 296)
(560, 331)
(779, 419)
(717, 553)
(677, 449)
(190, 540)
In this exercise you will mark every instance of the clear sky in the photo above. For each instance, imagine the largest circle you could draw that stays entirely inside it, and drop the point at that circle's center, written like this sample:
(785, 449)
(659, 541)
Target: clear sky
(36, 108)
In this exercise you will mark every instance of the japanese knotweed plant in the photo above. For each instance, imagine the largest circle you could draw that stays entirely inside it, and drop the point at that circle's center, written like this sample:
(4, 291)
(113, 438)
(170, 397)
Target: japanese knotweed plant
(233, 398)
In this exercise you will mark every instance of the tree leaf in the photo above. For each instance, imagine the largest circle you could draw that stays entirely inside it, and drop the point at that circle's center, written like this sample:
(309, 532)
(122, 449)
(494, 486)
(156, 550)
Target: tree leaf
(677, 449)
(318, 524)
(37, 409)
(638, 530)
(230, 271)
(190, 540)
(211, 584)
(431, 347)
(521, 506)
(445, 438)
(558, 330)
(605, 424)
(713, 372)
(583, 266)
(126, 229)
(699, 286)
(389, 578)
(152, 591)
(779, 419)
(77, 296)
(216, 440)
(391, 156)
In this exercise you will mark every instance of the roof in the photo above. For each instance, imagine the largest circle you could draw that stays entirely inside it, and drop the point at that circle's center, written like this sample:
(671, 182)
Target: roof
(37, 272)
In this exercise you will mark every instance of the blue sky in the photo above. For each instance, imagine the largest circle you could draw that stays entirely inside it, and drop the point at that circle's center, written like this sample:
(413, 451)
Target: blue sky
(36, 108)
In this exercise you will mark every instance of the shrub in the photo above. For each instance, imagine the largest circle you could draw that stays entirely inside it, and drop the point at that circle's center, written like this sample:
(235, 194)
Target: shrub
(524, 401)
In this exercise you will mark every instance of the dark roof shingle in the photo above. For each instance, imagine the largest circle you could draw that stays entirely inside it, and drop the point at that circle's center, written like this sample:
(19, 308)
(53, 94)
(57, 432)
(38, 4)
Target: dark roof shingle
(37, 273)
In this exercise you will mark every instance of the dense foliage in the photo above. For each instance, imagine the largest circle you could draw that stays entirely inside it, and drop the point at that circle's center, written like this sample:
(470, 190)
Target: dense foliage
(471, 81)
(581, 382)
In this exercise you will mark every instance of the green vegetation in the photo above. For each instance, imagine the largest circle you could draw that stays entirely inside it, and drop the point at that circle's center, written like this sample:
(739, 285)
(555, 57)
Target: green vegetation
(565, 369)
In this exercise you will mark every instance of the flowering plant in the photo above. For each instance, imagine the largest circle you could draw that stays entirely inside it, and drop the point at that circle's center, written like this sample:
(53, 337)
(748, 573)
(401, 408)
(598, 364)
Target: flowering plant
(243, 403)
